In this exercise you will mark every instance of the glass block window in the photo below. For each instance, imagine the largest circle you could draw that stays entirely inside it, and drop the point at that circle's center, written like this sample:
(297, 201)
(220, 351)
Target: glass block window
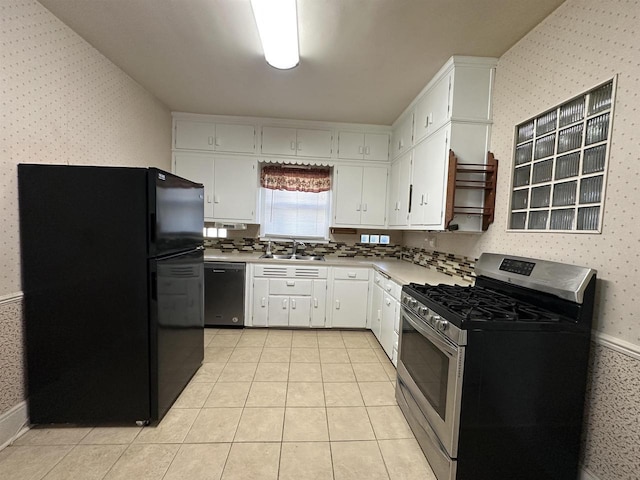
(560, 165)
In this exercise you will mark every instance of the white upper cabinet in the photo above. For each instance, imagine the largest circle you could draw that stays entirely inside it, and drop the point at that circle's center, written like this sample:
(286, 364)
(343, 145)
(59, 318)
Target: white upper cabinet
(198, 135)
(433, 109)
(363, 146)
(300, 142)
(230, 184)
(399, 191)
(360, 195)
(235, 189)
(430, 159)
(195, 135)
(235, 138)
(197, 168)
(402, 136)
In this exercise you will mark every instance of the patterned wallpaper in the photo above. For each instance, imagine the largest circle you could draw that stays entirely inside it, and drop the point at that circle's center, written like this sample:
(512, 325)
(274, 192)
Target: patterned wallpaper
(583, 43)
(62, 102)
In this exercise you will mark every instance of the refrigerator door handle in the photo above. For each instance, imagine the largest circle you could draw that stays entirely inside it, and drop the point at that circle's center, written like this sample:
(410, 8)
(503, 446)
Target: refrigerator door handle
(154, 286)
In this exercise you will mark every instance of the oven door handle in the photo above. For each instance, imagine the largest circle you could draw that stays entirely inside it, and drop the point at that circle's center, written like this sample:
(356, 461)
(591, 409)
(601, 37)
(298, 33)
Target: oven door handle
(431, 335)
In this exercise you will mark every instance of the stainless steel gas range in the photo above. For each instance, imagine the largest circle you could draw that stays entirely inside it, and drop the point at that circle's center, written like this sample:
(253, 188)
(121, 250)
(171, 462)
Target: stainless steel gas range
(492, 378)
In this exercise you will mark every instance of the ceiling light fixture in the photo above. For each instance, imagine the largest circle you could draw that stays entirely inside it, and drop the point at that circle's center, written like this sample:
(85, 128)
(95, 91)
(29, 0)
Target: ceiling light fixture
(277, 22)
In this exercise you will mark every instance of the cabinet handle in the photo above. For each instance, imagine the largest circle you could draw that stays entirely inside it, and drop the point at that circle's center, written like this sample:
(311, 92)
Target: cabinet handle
(400, 144)
(299, 146)
(367, 150)
(360, 150)
(210, 140)
(293, 146)
(398, 205)
(216, 199)
(337, 304)
(426, 199)
(378, 281)
(358, 207)
(422, 199)
(263, 302)
(284, 303)
(351, 274)
(364, 207)
(291, 283)
(217, 142)
(315, 303)
(293, 303)
(387, 301)
(388, 288)
(208, 198)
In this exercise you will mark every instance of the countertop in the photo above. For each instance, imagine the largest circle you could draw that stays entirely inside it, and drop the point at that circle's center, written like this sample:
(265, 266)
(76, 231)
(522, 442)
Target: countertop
(399, 270)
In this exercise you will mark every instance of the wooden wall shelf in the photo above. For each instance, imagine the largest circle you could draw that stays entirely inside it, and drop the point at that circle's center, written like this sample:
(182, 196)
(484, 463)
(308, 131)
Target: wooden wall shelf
(472, 176)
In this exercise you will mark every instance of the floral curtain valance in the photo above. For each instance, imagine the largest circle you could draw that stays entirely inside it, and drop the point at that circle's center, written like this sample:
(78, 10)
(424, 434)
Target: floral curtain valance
(293, 179)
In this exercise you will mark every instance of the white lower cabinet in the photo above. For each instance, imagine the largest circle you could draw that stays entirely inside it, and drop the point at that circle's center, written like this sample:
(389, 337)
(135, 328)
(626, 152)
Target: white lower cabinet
(349, 297)
(377, 295)
(288, 296)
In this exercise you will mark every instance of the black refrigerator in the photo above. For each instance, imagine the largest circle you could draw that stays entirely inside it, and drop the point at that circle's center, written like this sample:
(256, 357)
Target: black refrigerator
(113, 282)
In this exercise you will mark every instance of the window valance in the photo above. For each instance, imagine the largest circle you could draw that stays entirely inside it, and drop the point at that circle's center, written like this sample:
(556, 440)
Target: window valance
(296, 179)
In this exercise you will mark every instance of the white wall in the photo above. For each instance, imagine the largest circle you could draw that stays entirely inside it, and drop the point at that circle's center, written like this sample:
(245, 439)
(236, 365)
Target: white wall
(62, 102)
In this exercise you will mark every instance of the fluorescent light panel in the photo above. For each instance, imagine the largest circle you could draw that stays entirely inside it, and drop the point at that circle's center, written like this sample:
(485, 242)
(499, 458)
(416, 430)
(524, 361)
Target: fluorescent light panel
(277, 22)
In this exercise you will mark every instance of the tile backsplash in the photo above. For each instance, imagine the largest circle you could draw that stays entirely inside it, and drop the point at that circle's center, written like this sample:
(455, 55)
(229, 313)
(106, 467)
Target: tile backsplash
(447, 263)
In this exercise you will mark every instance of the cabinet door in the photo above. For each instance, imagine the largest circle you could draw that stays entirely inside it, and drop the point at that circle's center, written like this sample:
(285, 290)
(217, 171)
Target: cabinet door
(260, 299)
(314, 143)
(235, 138)
(399, 195)
(471, 93)
(376, 310)
(387, 333)
(279, 140)
(351, 145)
(197, 168)
(433, 109)
(299, 311)
(319, 303)
(236, 187)
(278, 311)
(374, 196)
(348, 187)
(349, 303)
(402, 136)
(194, 135)
(376, 146)
(435, 154)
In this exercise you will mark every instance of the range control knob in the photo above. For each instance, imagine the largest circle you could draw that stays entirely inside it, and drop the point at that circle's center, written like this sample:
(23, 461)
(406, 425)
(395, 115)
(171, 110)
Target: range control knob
(442, 325)
(423, 311)
(413, 303)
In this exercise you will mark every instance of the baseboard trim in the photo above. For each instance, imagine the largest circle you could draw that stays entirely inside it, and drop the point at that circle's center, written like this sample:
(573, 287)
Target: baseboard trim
(586, 474)
(13, 423)
(11, 298)
(617, 344)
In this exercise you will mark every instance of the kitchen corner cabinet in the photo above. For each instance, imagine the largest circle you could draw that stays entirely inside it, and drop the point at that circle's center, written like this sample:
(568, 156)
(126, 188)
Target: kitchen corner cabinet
(349, 297)
(360, 196)
(363, 146)
(377, 294)
(220, 137)
(230, 184)
(296, 141)
(399, 191)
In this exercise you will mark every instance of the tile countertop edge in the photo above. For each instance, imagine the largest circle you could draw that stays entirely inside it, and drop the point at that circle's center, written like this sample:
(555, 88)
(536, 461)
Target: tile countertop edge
(400, 271)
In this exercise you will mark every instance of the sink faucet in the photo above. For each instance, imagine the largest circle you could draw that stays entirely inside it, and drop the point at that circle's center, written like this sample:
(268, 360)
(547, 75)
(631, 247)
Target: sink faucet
(296, 244)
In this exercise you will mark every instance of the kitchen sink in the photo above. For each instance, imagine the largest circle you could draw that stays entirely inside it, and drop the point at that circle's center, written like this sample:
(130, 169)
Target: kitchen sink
(295, 257)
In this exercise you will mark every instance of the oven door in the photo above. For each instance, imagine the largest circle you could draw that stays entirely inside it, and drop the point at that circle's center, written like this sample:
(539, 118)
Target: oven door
(430, 370)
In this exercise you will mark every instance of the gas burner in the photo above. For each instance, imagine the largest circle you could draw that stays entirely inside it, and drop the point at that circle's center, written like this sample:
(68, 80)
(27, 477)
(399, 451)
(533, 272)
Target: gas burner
(481, 304)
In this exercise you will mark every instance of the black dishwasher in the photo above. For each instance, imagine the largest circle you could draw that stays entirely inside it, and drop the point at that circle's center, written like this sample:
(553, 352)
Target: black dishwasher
(224, 294)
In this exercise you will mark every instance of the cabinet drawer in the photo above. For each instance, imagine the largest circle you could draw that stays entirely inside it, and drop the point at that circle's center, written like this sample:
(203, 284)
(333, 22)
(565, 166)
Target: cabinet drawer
(379, 279)
(342, 273)
(392, 288)
(289, 286)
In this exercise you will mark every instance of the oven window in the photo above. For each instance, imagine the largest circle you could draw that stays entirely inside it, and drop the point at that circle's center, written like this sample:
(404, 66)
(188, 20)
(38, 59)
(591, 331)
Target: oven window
(427, 365)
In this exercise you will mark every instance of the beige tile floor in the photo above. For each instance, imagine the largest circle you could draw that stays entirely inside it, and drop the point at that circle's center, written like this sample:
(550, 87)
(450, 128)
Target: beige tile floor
(266, 404)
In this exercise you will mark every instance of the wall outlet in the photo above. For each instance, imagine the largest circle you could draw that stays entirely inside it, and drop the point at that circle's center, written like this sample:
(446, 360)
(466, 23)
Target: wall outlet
(430, 242)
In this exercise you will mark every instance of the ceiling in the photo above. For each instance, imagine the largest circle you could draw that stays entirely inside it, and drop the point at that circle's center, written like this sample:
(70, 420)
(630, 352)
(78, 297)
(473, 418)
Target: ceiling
(361, 61)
